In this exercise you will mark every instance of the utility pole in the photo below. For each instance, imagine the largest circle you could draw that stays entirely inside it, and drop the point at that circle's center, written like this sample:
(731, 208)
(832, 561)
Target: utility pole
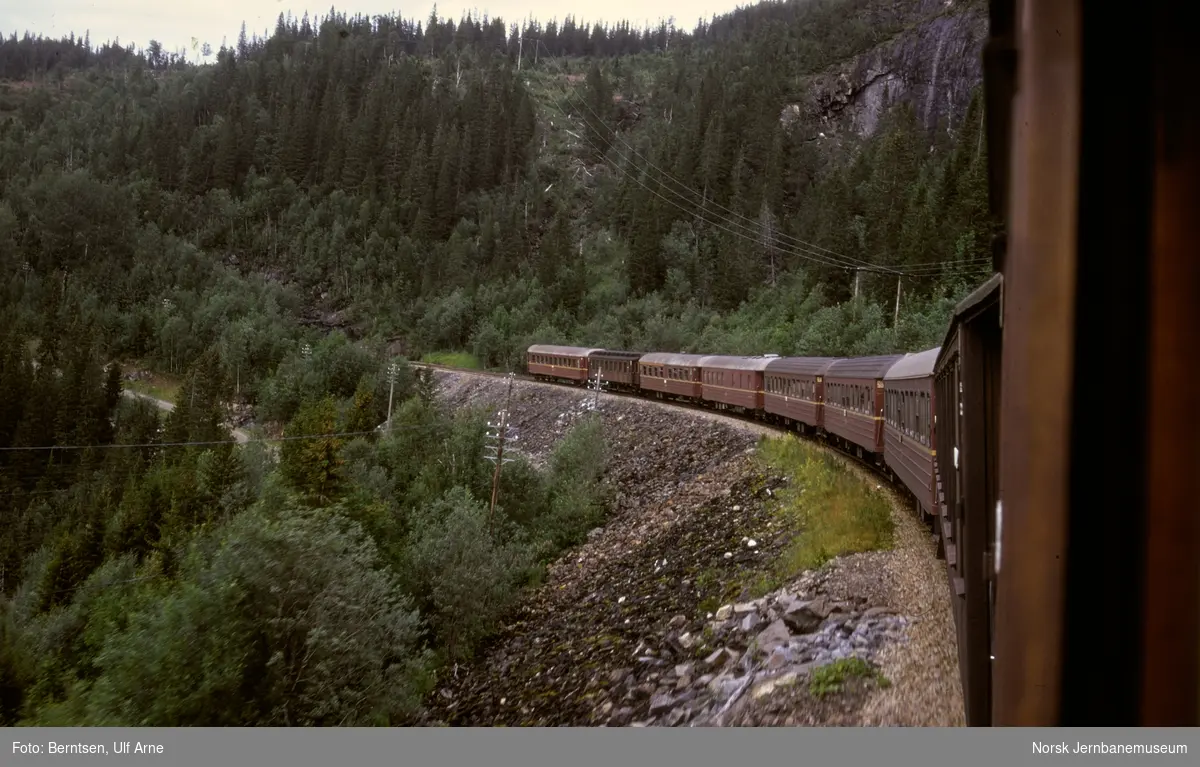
(597, 384)
(856, 274)
(392, 371)
(520, 50)
(896, 319)
(498, 436)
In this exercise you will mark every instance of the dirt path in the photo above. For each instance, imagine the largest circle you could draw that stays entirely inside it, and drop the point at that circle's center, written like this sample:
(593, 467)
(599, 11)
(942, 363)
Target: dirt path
(239, 435)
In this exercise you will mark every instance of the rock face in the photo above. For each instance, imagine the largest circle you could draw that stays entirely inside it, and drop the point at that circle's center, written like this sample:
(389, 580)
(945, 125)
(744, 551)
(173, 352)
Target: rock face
(701, 688)
(933, 65)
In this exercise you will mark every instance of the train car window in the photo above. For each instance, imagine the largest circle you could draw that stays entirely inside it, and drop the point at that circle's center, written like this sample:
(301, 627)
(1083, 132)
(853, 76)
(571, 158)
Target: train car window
(913, 417)
(925, 406)
(919, 417)
(928, 419)
(916, 414)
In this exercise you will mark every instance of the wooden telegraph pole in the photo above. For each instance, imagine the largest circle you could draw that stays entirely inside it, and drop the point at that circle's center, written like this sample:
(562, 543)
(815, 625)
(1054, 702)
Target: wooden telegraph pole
(392, 371)
(498, 436)
(597, 385)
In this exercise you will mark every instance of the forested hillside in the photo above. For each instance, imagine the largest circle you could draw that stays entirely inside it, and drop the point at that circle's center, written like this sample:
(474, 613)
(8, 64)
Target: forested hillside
(275, 227)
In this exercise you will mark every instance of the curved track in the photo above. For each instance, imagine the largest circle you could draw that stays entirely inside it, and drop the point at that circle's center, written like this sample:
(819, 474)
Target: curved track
(881, 471)
(926, 676)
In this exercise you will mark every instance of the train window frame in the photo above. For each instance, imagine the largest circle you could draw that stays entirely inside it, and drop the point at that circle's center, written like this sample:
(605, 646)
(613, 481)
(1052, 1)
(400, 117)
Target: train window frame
(917, 420)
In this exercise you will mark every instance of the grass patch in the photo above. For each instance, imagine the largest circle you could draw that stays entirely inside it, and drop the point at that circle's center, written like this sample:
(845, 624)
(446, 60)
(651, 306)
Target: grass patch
(158, 386)
(826, 508)
(453, 359)
(830, 679)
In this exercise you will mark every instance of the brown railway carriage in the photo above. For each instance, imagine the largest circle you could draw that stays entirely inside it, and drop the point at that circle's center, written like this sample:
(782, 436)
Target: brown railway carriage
(569, 362)
(853, 401)
(676, 374)
(733, 382)
(908, 426)
(794, 387)
(966, 398)
(618, 369)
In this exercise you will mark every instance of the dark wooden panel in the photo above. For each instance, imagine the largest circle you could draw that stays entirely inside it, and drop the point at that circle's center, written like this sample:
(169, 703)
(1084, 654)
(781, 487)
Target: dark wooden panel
(1172, 586)
(1037, 365)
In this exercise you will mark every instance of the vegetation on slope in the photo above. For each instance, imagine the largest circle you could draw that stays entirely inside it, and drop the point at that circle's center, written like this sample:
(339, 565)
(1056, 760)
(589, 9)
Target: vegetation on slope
(165, 576)
(826, 509)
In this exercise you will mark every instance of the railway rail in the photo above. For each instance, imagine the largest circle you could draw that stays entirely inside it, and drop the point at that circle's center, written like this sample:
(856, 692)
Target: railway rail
(880, 471)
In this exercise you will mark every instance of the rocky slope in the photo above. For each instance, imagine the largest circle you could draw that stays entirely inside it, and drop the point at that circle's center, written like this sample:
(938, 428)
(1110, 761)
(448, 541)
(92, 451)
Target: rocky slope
(645, 623)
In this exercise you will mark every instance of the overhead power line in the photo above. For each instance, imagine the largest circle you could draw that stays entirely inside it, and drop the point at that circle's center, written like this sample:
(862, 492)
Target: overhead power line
(211, 442)
(800, 247)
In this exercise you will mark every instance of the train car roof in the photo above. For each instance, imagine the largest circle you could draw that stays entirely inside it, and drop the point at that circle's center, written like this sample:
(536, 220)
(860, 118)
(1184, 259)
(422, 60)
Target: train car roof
(811, 366)
(667, 358)
(618, 353)
(728, 362)
(562, 351)
(991, 291)
(862, 367)
(916, 365)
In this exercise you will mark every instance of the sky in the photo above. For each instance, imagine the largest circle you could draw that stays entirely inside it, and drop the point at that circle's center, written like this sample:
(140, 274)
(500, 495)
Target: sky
(175, 24)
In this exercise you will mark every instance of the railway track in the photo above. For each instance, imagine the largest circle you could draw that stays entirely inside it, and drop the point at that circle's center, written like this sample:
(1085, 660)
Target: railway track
(841, 449)
(928, 584)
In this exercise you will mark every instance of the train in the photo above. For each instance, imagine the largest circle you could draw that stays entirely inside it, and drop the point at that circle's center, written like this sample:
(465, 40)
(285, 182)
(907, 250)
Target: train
(913, 417)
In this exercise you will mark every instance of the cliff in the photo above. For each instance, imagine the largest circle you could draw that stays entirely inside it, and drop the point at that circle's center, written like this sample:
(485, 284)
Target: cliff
(933, 64)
